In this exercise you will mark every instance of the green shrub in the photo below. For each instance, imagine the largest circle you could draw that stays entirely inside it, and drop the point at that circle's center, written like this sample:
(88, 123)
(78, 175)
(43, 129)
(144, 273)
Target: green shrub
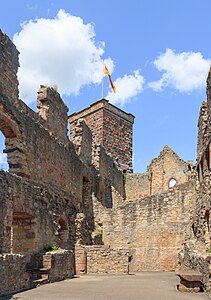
(50, 247)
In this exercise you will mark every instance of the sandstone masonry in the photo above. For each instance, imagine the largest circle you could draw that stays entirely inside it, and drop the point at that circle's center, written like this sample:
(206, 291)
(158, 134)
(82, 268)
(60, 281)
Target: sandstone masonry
(79, 194)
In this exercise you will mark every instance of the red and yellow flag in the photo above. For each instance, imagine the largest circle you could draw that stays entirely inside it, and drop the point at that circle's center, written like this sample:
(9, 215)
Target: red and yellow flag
(106, 72)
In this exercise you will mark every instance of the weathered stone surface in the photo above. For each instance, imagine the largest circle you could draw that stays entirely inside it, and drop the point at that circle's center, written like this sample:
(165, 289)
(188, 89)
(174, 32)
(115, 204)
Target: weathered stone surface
(163, 170)
(152, 227)
(102, 260)
(60, 265)
(13, 273)
(72, 192)
(111, 127)
(195, 253)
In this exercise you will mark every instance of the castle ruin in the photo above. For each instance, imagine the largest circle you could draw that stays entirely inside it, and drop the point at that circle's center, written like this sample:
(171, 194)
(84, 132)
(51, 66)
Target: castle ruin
(79, 192)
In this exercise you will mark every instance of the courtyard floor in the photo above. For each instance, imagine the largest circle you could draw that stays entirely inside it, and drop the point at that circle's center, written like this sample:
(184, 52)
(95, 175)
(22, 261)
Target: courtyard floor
(140, 286)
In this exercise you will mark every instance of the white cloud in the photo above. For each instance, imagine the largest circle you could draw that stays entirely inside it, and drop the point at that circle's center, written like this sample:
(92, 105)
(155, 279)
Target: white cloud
(60, 51)
(185, 72)
(127, 87)
(3, 159)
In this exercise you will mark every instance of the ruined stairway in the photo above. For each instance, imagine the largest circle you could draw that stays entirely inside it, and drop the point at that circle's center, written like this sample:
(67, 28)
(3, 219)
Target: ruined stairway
(39, 274)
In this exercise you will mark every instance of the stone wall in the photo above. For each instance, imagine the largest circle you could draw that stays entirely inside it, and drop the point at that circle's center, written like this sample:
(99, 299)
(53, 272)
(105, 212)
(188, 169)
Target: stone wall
(82, 139)
(60, 264)
(33, 215)
(8, 68)
(137, 186)
(54, 111)
(163, 171)
(195, 253)
(102, 259)
(13, 273)
(167, 166)
(152, 228)
(111, 127)
(195, 257)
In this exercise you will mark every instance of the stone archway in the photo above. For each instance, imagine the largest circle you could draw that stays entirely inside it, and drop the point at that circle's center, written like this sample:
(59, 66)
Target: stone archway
(13, 143)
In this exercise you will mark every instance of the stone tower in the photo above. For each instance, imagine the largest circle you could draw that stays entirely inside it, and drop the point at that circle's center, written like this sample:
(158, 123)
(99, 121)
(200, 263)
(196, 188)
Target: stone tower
(111, 127)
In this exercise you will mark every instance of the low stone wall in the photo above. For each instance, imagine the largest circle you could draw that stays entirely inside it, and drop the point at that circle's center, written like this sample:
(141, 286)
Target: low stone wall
(60, 265)
(100, 259)
(13, 273)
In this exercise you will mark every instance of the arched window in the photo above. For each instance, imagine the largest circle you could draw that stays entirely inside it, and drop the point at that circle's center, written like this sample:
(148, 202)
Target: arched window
(172, 182)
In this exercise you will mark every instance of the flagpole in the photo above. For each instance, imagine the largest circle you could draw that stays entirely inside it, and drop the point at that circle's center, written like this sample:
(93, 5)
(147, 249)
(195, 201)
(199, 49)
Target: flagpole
(103, 82)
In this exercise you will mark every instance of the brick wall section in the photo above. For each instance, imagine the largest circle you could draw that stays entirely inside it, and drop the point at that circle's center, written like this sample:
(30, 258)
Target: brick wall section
(112, 128)
(13, 273)
(152, 228)
(101, 259)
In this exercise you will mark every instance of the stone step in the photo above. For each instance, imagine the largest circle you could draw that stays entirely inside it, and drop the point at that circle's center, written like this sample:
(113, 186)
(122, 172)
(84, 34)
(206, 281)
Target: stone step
(42, 280)
(44, 270)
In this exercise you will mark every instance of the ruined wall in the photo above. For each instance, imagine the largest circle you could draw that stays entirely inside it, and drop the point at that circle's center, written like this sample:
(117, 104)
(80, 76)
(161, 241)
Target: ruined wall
(152, 227)
(94, 119)
(111, 127)
(82, 138)
(13, 273)
(202, 127)
(168, 165)
(195, 253)
(163, 171)
(31, 215)
(54, 111)
(39, 152)
(60, 264)
(101, 259)
(202, 222)
(8, 68)
(137, 186)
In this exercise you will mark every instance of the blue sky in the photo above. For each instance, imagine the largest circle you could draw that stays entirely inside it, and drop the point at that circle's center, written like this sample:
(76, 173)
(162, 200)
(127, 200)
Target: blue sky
(157, 51)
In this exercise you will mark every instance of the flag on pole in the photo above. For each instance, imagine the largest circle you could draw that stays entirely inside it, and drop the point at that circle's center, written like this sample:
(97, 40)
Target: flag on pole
(106, 72)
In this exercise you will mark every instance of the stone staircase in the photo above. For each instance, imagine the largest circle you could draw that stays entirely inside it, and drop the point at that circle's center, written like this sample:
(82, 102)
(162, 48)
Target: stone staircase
(38, 268)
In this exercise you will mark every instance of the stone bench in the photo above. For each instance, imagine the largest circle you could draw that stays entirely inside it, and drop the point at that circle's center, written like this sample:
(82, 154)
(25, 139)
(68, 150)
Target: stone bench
(190, 281)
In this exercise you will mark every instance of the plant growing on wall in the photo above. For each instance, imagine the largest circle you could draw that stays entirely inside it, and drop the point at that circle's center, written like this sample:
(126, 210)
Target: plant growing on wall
(50, 247)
